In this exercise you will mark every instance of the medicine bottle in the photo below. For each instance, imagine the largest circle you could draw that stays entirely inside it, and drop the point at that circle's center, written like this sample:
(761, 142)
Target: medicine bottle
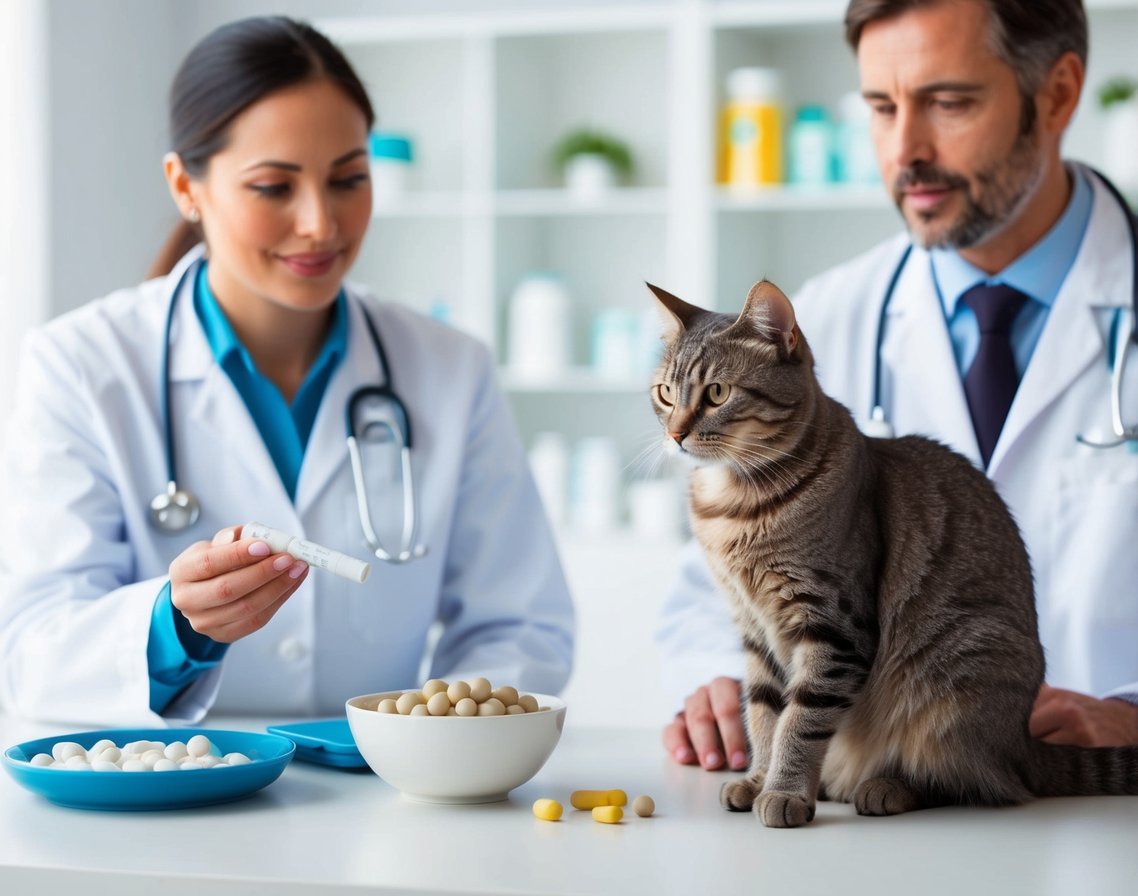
(751, 129)
(391, 159)
(857, 159)
(812, 147)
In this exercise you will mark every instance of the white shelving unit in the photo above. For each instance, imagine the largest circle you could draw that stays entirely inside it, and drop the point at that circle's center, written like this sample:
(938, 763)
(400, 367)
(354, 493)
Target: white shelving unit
(485, 95)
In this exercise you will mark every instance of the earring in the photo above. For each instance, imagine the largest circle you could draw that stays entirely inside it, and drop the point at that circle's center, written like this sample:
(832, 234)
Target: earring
(193, 215)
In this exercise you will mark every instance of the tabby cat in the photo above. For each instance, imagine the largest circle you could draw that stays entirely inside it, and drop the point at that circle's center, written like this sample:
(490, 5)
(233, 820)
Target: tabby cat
(881, 588)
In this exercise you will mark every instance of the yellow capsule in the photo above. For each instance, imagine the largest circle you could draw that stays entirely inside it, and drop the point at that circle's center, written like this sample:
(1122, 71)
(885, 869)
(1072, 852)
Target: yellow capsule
(590, 799)
(547, 810)
(608, 814)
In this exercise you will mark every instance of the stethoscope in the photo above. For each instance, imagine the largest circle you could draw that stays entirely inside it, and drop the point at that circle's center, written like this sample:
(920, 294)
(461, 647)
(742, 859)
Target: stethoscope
(374, 414)
(1124, 333)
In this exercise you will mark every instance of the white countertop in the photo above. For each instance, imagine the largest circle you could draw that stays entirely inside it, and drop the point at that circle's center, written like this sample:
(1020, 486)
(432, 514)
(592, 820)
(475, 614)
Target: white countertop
(324, 831)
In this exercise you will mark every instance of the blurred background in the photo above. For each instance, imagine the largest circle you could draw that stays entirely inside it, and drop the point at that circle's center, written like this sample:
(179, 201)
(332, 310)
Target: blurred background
(535, 162)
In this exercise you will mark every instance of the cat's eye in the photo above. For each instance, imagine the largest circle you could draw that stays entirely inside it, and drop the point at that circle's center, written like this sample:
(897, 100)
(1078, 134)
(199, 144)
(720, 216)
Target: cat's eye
(717, 393)
(664, 394)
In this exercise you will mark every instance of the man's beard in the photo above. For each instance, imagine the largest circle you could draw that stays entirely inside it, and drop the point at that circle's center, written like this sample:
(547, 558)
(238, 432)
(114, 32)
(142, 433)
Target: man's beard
(1003, 191)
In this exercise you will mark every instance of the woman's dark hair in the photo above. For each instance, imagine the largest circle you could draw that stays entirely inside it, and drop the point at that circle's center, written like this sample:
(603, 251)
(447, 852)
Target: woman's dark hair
(232, 68)
(1028, 35)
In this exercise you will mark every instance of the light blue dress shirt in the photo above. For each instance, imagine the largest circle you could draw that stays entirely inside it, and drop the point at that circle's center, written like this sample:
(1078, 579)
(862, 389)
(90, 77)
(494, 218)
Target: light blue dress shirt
(175, 653)
(1038, 273)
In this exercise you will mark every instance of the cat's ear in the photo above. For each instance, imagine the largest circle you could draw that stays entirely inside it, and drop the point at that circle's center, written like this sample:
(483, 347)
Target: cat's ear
(675, 313)
(769, 311)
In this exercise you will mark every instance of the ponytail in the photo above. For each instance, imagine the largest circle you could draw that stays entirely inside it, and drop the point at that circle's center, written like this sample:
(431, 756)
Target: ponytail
(181, 240)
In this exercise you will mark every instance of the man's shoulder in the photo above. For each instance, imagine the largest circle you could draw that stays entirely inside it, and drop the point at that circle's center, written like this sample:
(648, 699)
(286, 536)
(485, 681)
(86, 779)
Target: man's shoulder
(860, 272)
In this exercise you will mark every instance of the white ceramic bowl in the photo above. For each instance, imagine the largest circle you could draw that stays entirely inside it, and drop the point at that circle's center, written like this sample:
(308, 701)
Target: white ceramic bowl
(455, 759)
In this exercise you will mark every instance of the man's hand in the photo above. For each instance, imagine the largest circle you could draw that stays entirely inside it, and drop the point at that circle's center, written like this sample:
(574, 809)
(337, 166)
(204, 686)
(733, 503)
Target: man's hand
(1067, 717)
(709, 729)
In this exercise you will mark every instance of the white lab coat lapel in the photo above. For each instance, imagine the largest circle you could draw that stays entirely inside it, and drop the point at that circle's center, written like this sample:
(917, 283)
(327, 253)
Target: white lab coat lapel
(925, 393)
(1071, 339)
(327, 449)
(217, 422)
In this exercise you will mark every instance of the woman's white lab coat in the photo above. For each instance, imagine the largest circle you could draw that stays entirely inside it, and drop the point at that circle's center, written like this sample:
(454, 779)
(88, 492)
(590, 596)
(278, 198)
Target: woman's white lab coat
(1077, 507)
(85, 565)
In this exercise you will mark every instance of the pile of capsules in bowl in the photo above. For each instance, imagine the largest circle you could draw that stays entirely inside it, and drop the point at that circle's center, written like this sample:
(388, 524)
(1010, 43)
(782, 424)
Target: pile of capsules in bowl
(476, 697)
(137, 756)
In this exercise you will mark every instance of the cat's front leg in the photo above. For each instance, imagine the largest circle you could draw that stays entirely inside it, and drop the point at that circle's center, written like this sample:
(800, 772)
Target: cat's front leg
(764, 703)
(819, 696)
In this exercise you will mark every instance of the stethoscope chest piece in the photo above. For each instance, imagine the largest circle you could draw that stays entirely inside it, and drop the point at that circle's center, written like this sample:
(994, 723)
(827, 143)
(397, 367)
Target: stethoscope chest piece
(174, 510)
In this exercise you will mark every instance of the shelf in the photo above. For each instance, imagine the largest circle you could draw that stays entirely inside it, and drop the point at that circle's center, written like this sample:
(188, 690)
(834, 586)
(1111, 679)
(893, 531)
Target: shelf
(620, 201)
(574, 380)
(799, 198)
(440, 204)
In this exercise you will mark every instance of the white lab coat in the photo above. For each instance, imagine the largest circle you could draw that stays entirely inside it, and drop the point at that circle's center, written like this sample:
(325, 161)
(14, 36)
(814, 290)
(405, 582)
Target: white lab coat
(86, 457)
(1077, 507)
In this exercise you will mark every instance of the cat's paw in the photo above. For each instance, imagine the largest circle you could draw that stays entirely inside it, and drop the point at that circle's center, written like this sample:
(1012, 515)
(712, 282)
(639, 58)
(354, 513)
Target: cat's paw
(739, 796)
(884, 796)
(783, 810)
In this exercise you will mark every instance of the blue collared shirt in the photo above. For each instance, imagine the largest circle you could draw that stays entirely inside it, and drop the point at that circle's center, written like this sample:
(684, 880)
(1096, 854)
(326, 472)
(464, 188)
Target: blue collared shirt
(1038, 273)
(175, 653)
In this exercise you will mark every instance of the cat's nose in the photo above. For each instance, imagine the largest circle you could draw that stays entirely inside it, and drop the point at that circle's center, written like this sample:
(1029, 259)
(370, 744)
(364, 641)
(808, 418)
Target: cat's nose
(678, 437)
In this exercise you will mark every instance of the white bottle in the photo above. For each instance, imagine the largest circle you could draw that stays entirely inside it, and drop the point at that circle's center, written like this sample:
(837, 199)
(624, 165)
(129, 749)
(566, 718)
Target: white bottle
(595, 487)
(549, 462)
(538, 328)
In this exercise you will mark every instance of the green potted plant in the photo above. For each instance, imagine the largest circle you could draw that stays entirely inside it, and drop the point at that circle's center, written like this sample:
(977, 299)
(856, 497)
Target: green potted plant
(592, 161)
(1118, 98)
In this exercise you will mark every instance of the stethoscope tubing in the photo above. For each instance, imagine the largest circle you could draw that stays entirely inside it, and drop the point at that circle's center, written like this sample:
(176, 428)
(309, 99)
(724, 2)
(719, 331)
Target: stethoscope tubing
(877, 410)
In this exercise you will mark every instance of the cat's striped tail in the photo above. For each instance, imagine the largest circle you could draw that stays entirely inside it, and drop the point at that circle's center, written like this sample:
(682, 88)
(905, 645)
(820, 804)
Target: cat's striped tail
(1058, 770)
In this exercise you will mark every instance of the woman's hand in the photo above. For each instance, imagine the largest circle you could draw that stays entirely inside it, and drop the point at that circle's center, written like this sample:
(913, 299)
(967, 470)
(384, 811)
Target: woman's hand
(709, 729)
(228, 588)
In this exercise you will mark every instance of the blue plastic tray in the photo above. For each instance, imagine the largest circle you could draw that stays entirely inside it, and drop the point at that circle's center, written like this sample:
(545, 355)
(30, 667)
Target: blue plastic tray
(323, 741)
(152, 790)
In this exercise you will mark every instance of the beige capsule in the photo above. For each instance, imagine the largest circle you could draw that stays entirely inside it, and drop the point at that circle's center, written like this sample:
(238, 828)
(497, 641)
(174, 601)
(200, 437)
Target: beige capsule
(507, 694)
(492, 707)
(466, 707)
(643, 806)
(438, 704)
(528, 702)
(480, 690)
(434, 686)
(457, 691)
(407, 700)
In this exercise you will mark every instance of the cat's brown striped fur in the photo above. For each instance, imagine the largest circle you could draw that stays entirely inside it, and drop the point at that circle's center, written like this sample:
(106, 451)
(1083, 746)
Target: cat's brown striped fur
(881, 588)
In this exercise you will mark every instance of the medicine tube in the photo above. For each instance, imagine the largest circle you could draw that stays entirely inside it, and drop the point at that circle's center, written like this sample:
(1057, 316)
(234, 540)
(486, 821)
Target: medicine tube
(311, 553)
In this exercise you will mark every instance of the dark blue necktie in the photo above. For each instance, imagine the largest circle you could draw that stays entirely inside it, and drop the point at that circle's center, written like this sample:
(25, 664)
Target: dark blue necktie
(990, 383)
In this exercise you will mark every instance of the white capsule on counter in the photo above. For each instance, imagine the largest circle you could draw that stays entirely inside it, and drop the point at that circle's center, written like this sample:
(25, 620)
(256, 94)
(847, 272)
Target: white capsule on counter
(198, 745)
